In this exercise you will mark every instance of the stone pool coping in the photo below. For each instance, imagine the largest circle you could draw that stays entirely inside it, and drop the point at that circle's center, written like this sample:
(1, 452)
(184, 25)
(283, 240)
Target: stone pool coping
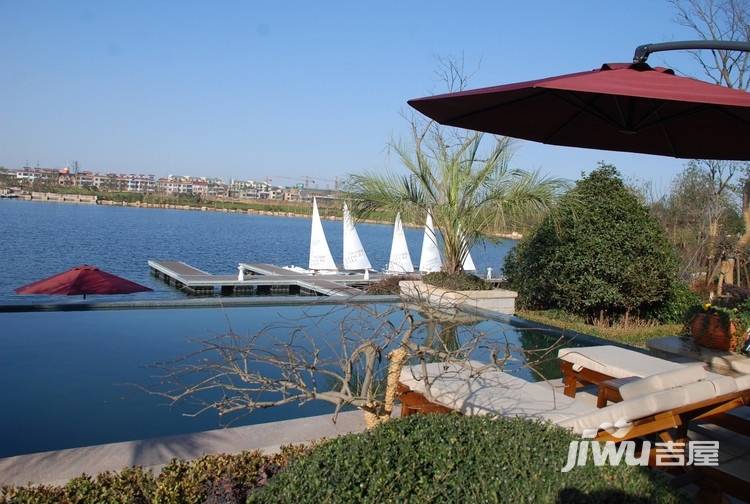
(209, 302)
(57, 467)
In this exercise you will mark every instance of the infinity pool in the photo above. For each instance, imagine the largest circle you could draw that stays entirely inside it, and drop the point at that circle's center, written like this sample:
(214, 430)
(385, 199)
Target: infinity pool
(72, 378)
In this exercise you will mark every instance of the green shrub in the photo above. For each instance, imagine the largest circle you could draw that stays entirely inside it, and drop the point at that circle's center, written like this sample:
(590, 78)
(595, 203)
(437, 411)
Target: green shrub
(216, 479)
(451, 458)
(456, 281)
(600, 254)
(676, 305)
(389, 284)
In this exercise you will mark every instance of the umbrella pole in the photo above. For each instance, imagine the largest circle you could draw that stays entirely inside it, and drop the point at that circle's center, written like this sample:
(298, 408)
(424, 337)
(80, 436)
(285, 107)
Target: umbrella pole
(643, 51)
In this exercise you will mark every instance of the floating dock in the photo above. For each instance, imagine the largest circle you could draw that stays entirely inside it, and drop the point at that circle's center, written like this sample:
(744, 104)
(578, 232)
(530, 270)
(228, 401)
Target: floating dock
(261, 280)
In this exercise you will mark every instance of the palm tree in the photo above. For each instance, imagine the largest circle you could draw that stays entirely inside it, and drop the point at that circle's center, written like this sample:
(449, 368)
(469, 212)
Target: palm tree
(468, 195)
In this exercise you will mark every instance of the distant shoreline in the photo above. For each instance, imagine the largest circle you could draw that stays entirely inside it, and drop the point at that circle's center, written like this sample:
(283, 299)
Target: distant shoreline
(93, 200)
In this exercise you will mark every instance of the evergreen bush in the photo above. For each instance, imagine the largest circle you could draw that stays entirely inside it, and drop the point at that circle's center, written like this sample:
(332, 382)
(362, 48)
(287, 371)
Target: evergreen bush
(600, 254)
(453, 458)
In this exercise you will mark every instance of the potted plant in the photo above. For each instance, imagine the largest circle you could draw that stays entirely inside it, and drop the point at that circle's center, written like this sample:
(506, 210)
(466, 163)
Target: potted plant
(719, 327)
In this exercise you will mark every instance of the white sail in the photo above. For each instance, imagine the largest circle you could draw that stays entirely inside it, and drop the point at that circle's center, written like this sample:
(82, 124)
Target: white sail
(400, 260)
(468, 264)
(320, 254)
(430, 259)
(355, 257)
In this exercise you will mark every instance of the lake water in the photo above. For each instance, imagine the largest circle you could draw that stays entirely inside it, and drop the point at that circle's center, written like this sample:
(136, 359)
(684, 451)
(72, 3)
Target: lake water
(68, 378)
(72, 378)
(40, 239)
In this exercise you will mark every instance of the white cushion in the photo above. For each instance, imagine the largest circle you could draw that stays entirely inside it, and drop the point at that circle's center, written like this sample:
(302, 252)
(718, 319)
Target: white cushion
(640, 407)
(743, 382)
(615, 361)
(683, 375)
(722, 384)
(465, 389)
(475, 391)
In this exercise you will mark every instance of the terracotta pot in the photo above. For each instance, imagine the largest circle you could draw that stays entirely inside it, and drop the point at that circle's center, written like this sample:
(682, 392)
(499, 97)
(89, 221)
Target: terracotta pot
(710, 331)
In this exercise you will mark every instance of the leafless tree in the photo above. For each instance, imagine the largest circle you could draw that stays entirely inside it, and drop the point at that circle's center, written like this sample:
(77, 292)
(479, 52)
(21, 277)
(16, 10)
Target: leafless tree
(720, 20)
(299, 360)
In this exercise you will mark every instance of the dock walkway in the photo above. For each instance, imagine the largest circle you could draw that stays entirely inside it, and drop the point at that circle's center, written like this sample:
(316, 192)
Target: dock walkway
(263, 279)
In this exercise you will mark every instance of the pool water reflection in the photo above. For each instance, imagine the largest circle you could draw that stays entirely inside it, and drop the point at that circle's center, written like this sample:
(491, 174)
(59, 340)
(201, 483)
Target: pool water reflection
(67, 376)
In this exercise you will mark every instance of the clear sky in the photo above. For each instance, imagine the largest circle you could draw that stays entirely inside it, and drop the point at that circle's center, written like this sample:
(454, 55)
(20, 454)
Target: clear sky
(255, 89)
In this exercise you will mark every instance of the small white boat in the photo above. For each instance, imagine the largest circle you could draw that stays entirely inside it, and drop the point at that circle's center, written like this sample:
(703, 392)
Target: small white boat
(355, 257)
(429, 260)
(320, 254)
(400, 259)
(468, 263)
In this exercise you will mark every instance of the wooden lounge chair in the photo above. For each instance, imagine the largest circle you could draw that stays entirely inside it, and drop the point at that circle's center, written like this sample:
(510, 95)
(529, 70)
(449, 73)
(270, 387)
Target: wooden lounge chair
(646, 408)
(596, 364)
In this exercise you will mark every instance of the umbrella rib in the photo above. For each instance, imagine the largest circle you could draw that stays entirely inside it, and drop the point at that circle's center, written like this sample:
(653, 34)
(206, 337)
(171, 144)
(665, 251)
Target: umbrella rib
(619, 110)
(668, 138)
(492, 107)
(733, 115)
(643, 125)
(588, 107)
(572, 118)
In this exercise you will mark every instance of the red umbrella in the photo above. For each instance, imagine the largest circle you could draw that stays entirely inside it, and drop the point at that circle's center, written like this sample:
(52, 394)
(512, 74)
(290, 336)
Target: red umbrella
(621, 107)
(82, 280)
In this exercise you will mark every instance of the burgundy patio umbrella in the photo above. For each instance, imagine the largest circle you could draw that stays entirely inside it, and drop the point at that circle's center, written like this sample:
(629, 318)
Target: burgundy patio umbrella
(628, 107)
(82, 280)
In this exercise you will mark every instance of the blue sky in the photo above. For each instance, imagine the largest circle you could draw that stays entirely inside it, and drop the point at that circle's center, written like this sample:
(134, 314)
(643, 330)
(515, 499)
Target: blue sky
(255, 89)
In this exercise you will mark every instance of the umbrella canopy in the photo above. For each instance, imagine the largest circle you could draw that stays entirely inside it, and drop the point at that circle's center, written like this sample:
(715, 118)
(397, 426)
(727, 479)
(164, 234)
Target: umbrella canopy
(82, 280)
(621, 107)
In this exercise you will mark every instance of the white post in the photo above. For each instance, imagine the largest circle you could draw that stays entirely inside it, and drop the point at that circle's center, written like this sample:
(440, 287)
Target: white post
(240, 274)
(367, 274)
(489, 273)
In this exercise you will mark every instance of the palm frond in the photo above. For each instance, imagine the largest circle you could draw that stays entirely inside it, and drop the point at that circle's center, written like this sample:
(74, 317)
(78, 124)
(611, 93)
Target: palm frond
(470, 195)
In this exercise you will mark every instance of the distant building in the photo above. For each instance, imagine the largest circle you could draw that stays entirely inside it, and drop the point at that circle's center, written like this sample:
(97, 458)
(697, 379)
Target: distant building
(205, 187)
(307, 195)
(140, 183)
(28, 175)
(176, 185)
(251, 189)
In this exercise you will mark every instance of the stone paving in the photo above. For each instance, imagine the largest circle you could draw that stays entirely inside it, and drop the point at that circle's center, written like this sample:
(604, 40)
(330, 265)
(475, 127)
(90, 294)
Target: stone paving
(57, 467)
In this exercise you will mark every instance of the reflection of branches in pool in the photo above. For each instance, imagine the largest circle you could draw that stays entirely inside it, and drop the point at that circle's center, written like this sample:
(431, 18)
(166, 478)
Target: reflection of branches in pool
(536, 348)
(334, 355)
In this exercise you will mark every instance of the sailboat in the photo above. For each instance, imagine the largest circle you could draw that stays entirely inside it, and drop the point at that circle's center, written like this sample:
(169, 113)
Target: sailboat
(468, 264)
(430, 260)
(400, 259)
(355, 257)
(320, 254)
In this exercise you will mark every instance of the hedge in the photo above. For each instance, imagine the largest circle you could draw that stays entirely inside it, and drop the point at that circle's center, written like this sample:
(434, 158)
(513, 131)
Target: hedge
(421, 458)
(215, 479)
(452, 458)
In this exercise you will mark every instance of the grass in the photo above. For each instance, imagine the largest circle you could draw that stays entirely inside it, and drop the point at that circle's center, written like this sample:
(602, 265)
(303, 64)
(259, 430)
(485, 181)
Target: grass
(636, 333)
